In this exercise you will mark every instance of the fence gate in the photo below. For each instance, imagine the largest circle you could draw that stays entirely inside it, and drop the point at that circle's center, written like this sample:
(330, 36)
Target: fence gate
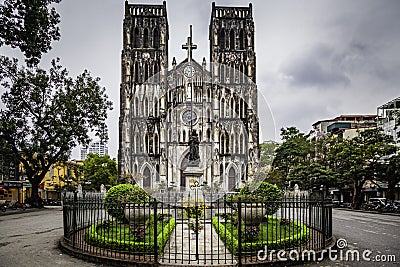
(194, 240)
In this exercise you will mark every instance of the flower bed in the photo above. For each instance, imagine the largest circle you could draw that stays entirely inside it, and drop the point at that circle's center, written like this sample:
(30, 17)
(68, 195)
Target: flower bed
(274, 235)
(119, 236)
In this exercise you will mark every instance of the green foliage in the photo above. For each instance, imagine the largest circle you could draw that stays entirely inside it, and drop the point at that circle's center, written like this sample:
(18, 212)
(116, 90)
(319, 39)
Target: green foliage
(30, 26)
(119, 195)
(100, 170)
(112, 239)
(261, 192)
(47, 113)
(273, 235)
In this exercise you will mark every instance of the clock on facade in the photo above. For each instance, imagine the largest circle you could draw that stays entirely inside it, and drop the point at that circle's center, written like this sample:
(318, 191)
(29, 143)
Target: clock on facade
(189, 71)
(189, 117)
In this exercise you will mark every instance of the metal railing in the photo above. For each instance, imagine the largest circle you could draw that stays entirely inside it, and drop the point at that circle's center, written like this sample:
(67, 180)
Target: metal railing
(188, 230)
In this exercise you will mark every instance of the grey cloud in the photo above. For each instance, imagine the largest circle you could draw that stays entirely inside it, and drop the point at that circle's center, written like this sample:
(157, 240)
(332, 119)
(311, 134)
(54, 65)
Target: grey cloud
(318, 66)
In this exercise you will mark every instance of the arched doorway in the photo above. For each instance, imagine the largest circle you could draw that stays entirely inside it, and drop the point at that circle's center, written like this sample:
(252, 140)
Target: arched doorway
(231, 178)
(147, 177)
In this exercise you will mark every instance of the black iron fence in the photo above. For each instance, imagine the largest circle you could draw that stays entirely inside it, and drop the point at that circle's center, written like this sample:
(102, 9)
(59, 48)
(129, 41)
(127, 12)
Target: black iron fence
(188, 229)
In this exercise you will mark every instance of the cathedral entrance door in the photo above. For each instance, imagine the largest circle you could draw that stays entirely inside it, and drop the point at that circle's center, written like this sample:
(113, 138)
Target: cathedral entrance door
(146, 178)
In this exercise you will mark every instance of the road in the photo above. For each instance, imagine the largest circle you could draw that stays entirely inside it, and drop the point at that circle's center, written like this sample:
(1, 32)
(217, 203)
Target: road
(30, 239)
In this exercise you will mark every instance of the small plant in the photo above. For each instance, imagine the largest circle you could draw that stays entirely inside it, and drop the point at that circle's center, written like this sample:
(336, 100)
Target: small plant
(194, 209)
(251, 233)
(138, 232)
(195, 225)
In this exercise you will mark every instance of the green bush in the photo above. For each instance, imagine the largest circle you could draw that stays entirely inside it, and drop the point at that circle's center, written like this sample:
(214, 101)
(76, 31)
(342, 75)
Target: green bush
(230, 238)
(119, 195)
(121, 244)
(261, 192)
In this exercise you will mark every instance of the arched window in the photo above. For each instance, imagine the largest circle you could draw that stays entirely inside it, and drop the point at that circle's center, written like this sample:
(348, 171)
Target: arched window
(146, 71)
(221, 173)
(146, 107)
(222, 143)
(155, 143)
(146, 38)
(208, 135)
(156, 68)
(136, 38)
(200, 136)
(137, 107)
(157, 174)
(156, 38)
(232, 107)
(222, 104)
(155, 113)
(221, 39)
(137, 71)
(241, 40)
(209, 115)
(232, 40)
(137, 143)
(183, 136)
(146, 143)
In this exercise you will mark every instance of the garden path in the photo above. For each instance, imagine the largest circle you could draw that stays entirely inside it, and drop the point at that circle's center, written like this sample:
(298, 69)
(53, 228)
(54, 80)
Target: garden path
(181, 249)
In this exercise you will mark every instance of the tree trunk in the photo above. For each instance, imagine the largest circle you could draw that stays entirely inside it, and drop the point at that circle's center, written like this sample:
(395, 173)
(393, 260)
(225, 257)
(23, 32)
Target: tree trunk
(357, 197)
(36, 201)
(391, 190)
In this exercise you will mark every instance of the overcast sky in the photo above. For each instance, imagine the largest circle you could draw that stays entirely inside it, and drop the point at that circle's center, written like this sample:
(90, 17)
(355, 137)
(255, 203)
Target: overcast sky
(315, 59)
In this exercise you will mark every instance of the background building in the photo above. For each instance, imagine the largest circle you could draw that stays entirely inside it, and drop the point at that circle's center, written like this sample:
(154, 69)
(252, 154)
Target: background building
(389, 118)
(344, 126)
(94, 148)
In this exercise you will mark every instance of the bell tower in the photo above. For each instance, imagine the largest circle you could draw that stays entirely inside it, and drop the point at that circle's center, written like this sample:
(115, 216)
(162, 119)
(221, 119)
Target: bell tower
(144, 60)
(233, 72)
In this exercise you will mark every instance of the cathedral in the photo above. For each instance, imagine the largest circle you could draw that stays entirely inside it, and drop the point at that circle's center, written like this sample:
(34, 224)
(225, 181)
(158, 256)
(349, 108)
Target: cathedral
(193, 122)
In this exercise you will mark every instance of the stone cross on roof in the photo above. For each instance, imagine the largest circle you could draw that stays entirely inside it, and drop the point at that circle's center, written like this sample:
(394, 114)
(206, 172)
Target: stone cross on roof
(189, 46)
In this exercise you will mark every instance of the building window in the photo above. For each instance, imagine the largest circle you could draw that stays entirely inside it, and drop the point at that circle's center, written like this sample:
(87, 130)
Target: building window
(146, 38)
(232, 40)
(241, 40)
(156, 38)
(221, 39)
(136, 38)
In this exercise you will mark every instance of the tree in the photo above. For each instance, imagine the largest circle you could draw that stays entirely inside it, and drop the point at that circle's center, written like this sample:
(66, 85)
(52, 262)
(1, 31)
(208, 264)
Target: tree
(389, 171)
(47, 114)
(292, 156)
(100, 170)
(29, 25)
(358, 160)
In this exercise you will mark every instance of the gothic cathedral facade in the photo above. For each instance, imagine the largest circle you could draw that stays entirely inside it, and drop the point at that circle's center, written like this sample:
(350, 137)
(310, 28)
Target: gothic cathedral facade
(201, 116)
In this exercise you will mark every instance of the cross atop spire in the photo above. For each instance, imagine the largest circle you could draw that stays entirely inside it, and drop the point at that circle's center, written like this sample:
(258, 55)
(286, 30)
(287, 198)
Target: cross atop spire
(189, 46)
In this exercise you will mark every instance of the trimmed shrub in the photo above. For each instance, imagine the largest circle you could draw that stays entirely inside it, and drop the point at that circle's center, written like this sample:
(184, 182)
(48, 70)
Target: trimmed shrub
(261, 192)
(119, 195)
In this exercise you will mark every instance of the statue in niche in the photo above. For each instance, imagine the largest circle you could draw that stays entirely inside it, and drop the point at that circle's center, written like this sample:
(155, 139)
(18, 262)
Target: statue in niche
(194, 157)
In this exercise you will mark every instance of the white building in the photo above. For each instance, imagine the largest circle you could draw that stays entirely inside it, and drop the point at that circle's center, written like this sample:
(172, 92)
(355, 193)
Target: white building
(389, 118)
(94, 148)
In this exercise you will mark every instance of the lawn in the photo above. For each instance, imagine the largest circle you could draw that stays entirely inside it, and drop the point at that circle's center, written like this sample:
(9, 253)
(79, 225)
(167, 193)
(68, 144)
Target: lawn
(119, 236)
(274, 233)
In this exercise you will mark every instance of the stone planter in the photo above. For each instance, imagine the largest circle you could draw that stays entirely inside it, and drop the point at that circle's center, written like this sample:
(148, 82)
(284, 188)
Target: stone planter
(137, 214)
(253, 213)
